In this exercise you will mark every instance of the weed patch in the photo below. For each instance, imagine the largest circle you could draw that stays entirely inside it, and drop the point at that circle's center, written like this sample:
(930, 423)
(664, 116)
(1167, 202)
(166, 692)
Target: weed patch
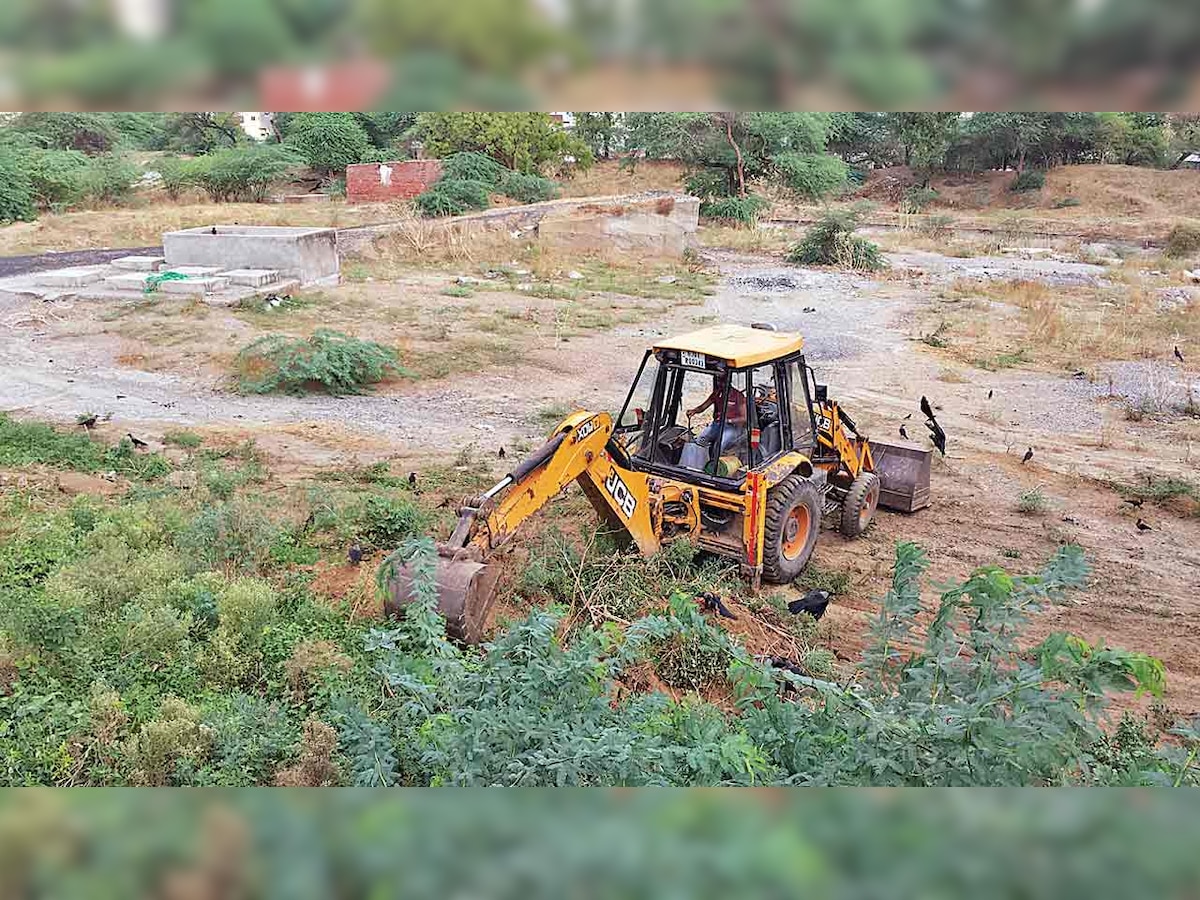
(328, 361)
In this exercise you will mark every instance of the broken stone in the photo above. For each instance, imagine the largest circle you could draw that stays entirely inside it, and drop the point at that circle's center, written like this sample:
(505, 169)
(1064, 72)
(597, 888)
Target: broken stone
(667, 279)
(574, 276)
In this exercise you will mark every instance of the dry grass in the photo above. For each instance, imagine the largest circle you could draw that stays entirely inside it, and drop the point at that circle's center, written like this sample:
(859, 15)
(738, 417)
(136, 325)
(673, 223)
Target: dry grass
(758, 239)
(1000, 324)
(609, 177)
(143, 226)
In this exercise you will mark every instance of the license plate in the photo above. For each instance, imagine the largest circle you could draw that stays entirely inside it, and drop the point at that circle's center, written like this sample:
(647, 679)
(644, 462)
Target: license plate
(688, 358)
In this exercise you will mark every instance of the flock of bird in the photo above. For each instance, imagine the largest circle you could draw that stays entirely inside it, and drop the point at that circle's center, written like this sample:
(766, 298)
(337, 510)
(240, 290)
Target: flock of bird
(936, 435)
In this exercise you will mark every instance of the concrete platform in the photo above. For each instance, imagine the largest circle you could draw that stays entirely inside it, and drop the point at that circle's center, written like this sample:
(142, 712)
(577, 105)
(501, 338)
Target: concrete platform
(130, 281)
(196, 287)
(70, 278)
(251, 277)
(139, 263)
(194, 271)
(309, 254)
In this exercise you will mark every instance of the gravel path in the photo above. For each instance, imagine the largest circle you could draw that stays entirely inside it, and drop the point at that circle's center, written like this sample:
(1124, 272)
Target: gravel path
(40, 262)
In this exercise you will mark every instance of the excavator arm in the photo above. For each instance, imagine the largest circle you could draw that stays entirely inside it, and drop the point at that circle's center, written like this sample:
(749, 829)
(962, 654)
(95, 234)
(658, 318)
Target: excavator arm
(577, 451)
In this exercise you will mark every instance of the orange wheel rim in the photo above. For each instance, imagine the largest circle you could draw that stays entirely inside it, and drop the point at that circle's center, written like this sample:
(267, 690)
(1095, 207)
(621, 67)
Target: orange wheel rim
(795, 531)
(868, 507)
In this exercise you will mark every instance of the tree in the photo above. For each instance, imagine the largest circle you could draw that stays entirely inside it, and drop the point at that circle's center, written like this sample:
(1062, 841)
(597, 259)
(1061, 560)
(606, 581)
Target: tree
(1014, 135)
(863, 139)
(603, 132)
(925, 137)
(201, 132)
(328, 141)
(520, 141)
(86, 132)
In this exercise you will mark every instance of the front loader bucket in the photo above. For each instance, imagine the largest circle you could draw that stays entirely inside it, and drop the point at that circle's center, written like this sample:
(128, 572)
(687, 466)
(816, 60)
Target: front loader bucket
(465, 591)
(903, 476)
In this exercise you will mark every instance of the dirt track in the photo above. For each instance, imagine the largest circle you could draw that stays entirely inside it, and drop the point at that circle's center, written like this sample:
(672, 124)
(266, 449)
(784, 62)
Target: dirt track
(61, 360)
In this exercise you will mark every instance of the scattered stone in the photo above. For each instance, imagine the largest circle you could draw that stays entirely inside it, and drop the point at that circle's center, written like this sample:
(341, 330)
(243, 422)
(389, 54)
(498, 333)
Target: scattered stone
(574, 276)
(465, 279)
(667, 279)
(1192, 275)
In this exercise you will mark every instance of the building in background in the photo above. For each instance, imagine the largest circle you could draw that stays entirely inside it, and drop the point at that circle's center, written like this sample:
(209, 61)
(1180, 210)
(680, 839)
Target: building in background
(257, 124)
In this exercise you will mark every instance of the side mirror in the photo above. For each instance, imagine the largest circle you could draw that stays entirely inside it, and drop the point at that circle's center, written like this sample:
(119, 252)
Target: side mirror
(822, 393)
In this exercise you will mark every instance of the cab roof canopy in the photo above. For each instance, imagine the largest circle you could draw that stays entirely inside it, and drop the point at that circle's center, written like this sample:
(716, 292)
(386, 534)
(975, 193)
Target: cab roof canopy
(738, 345)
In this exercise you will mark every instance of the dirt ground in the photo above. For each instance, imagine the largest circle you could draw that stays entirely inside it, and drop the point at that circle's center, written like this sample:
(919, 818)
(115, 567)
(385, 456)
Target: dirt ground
(501, 362)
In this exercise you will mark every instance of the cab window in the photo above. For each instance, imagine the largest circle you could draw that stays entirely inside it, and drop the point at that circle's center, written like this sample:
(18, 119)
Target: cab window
(799, 408)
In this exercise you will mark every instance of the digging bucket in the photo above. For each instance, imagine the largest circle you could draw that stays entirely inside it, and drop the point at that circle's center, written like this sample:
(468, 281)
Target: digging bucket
(465, 589)
(903, 476)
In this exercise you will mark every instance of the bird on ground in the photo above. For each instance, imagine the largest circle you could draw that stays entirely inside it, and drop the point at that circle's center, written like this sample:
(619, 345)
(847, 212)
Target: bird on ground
(1134, 501)
(138, 444)
(713, 603)
(214, 230)
(1142, 526)
(989, 393)
(937, 436)
(120, 396)
(1178, 355)
(903, 432)
(1027, 457)
(815, 602)
(412, 480)
(926, 409)
(501, 454)
(87, 421)
(909, 416)
(1079, 374)
(355, 554)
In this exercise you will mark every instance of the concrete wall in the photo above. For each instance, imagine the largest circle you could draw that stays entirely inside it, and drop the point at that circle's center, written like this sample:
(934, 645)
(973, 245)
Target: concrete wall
(374, 182)
(310, 254)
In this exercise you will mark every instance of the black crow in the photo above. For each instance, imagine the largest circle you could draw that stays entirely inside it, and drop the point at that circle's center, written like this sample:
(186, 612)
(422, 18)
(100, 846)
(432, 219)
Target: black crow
(926, 409)
(1178, 355)
(909, 416)
(120, 396)
(937, 436)
(989, 394)
(87, 420)
(815, 602)
(713, 603)
(140, 445)
(1079, 374)
(1142, 526)
(501, 454)
(412, 480)
(1027, 457)
(355, 554)
(903, 433)
(1134, 501)
(214, 229)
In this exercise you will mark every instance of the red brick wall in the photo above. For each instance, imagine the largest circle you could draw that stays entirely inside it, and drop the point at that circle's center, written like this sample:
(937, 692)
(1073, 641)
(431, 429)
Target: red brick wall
(364, 182)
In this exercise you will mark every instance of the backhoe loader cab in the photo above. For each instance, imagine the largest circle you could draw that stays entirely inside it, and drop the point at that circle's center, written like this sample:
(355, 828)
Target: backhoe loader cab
(725, 439)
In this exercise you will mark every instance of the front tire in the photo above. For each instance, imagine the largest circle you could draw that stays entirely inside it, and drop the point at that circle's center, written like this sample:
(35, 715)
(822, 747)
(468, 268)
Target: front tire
(792, 523)
(858, 509)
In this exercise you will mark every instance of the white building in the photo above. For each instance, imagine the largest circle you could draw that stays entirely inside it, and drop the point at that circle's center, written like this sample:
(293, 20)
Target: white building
(256, 124)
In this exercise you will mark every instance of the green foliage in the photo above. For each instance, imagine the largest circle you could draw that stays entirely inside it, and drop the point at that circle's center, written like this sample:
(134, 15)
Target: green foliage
(603, 132)
(242, 174)
(81, 131)
(386, 521)
(58, 178)
(179, 175)
(1032, 502)
(811, 175)
(741, 210)
(1065, 203)
(529, 188)
(1029, 180)
(16, 190)
(188, 440)
(708, 183)
(452, 198)
(832, 242)
(521, 141)
(328, 360)
(916, 198)
(110, 178)
(471, 165)
(328, 142)
(26, 443)
(1182, 241)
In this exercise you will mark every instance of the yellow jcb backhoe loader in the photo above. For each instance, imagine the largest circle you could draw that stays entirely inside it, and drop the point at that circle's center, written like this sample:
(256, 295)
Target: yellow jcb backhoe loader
(774, 455)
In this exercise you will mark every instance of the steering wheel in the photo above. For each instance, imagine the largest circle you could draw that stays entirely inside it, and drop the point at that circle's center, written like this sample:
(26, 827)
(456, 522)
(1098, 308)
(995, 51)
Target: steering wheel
(762, 393)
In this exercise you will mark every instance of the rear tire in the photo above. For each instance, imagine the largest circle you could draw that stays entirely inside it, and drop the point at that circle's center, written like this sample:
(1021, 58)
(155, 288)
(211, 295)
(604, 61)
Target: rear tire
(790, 531)
(858, 509)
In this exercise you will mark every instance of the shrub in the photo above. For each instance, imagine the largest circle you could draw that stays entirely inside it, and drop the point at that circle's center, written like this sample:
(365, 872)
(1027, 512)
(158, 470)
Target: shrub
(174, 735)
(16, 191)
(328, 141)
(1065, 203)
(386, 521)
(832, 242)
(179, 175)
(812, 175)
(938, 227)
(1184, 240)
(916, 198)
(473, 166)
(742, 210)
(1032, 502)
(1030, 180)
(58, 178)
(452, 198)
(708, 183)
(110, 178)
(529, 188)
(231, 533)
(329, 360)
(241, 173)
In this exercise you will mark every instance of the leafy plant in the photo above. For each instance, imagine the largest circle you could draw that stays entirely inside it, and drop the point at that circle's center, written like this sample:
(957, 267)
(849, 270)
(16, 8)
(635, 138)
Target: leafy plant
(742, 210)
(1032, 502)
(328, 360)
(241, 174)
(1183, 240)
(529, 188)
(452, 198)
(812, 175)
(832, 242)
(1029, 180)
(473, 166)
(328, 141)
(916, 198)
(16, 190)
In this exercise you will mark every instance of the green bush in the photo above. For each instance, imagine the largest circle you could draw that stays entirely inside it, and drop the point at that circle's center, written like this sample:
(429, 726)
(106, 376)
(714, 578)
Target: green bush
(832, 242)
(329, 361)
(110, 178)
(708, 183)
(742, 210)
(473, 166)
(58, 178)
(241, 173)
(16, 190)
(1029, 180)
(812, 175)
(328, 142)
(386, 521)
(1183, 240)
(529, 188)
(452, 198)
(916, 198)
(27, 443)
(179, 175)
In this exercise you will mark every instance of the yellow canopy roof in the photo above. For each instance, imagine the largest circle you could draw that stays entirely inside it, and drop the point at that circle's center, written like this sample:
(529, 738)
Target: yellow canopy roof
(738, 345)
